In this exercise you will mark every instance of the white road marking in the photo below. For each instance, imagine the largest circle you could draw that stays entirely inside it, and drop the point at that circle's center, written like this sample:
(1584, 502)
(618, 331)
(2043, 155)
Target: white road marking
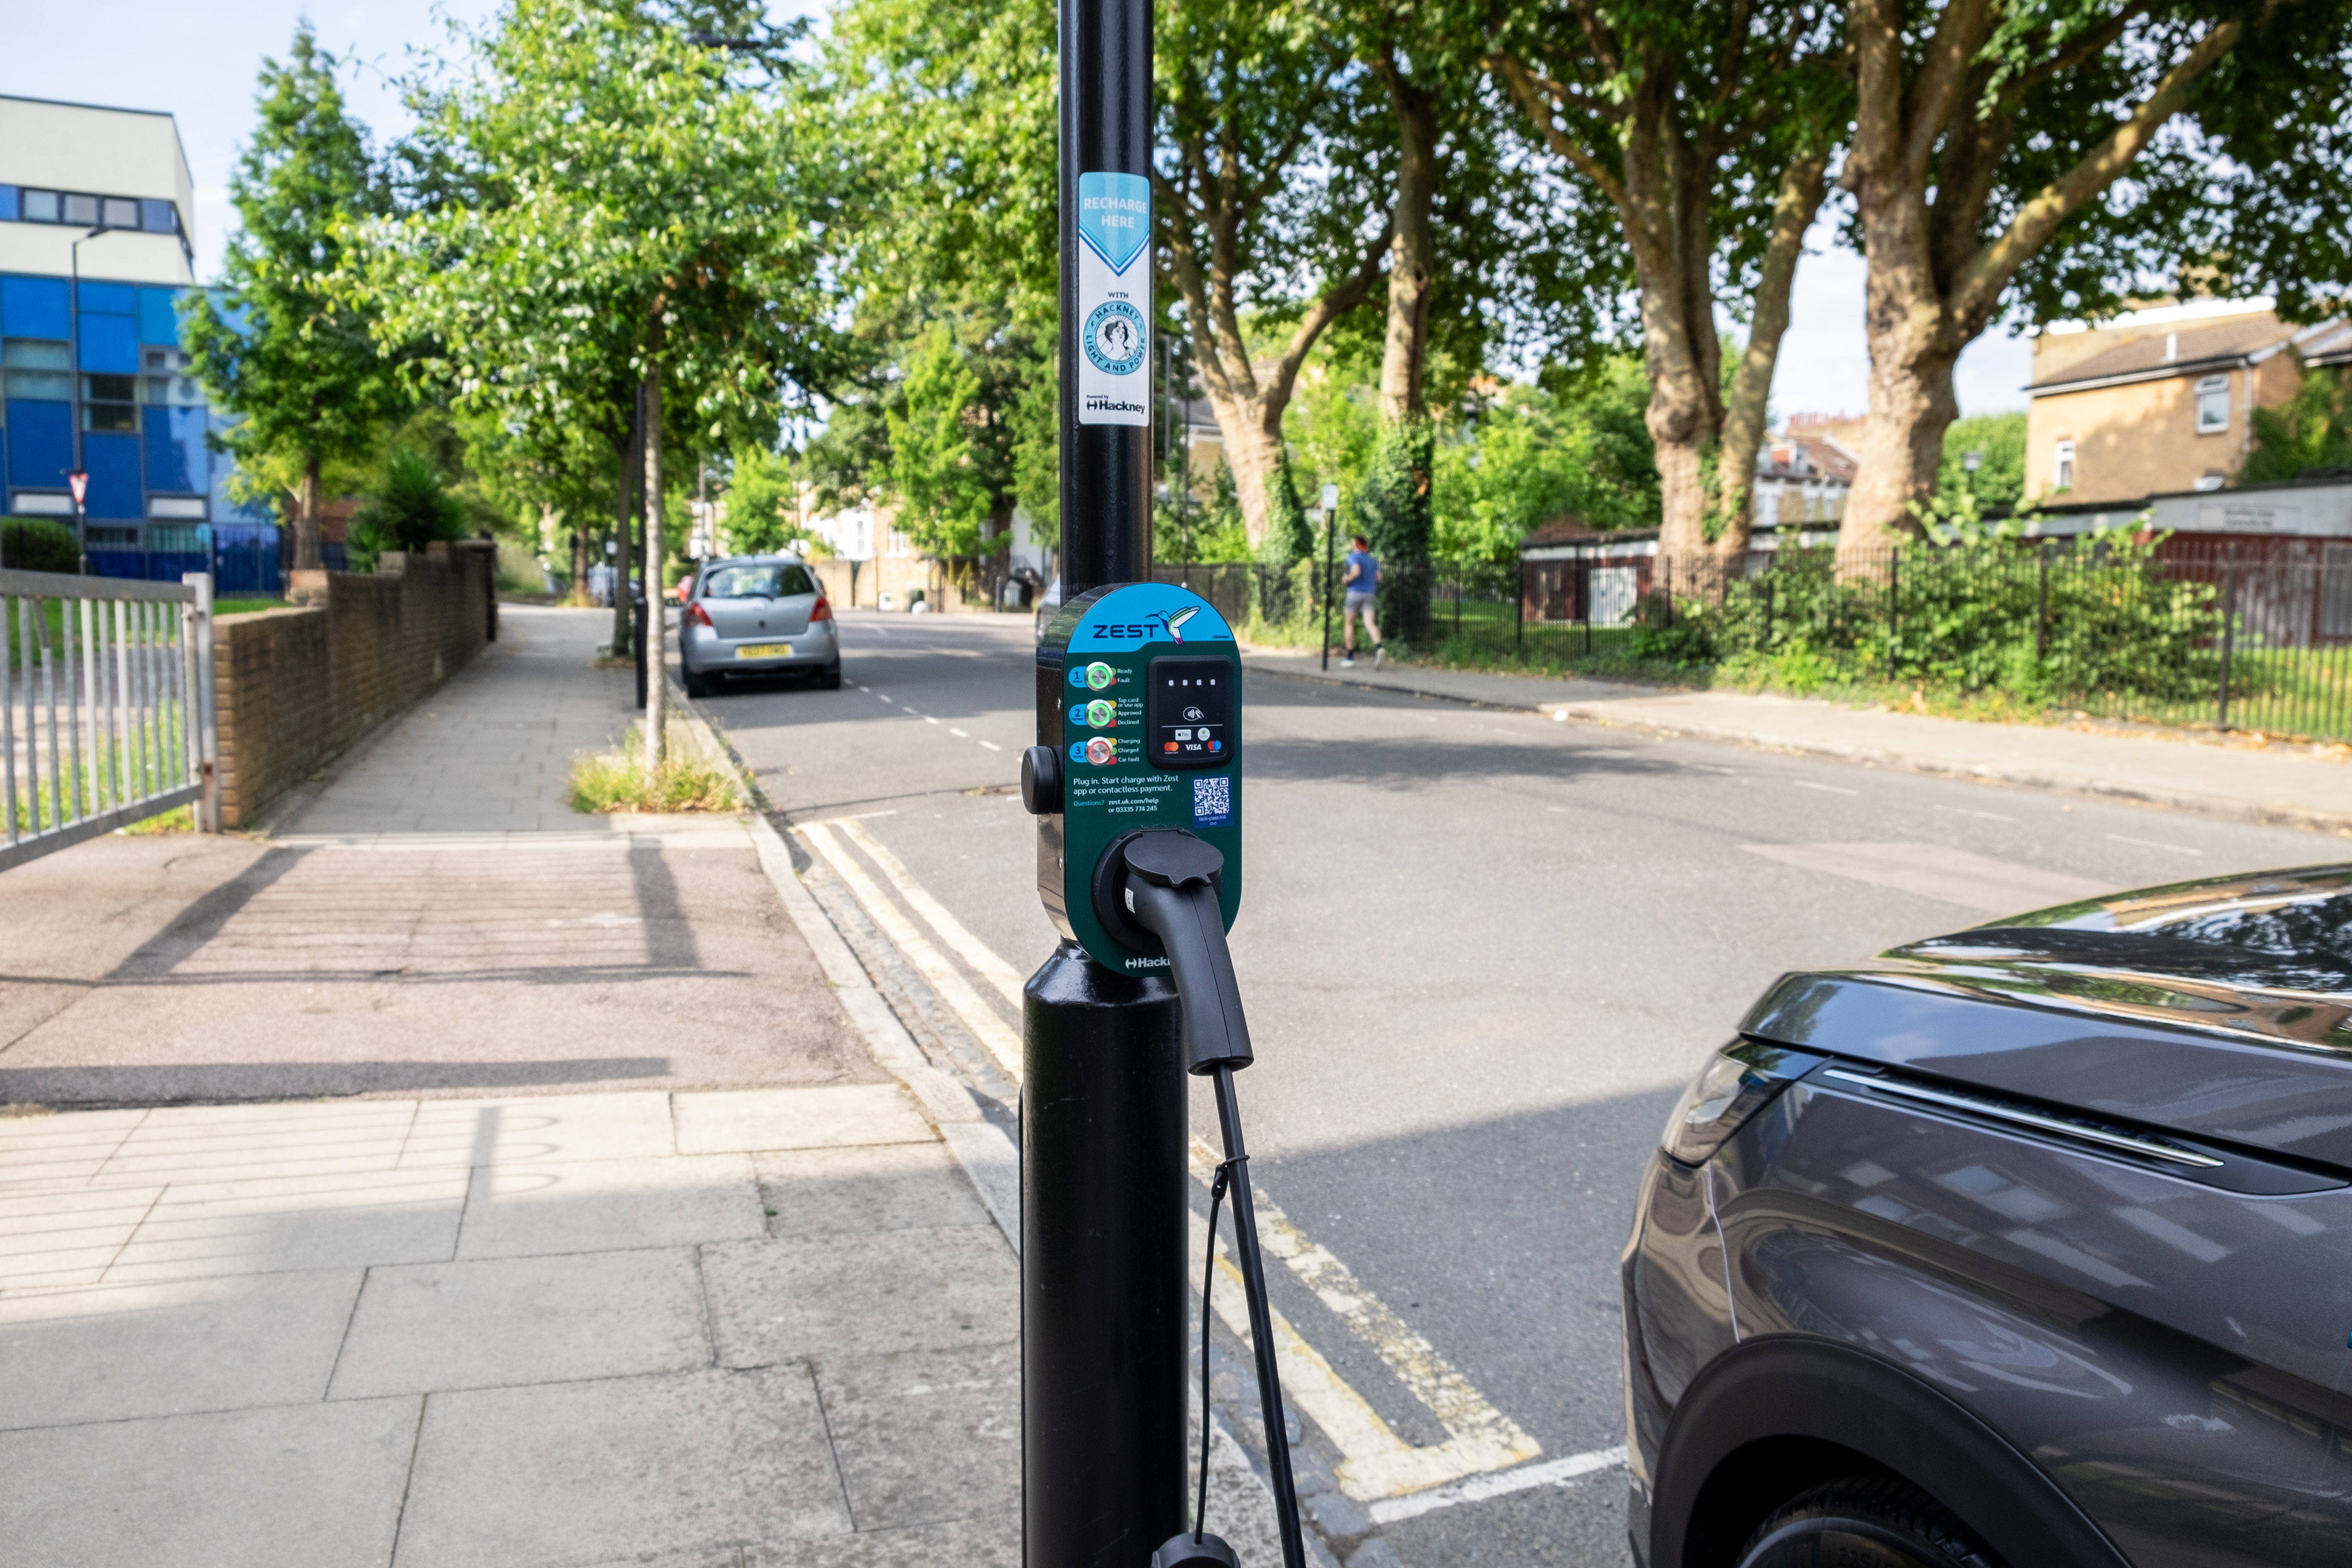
(929, 720)
(1379, 1463)
(991, 745)
(1827, 789)
(1935, 871)
(984, 959)
(1963, 811)
(2152, 844)
(1711, 768)
(959, 734)
(937, 972)
(1477, 1489)
(846, 816)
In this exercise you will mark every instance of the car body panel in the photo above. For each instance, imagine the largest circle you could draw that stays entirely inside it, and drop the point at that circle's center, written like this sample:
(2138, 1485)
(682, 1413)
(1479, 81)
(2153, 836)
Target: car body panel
(2154, 1326)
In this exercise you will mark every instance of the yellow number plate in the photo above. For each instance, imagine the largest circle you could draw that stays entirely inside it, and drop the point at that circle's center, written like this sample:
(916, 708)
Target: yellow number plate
(765, 650)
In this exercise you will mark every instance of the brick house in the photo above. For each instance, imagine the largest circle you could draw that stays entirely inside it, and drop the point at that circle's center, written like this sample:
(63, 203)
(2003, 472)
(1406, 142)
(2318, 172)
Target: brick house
(2160, 400)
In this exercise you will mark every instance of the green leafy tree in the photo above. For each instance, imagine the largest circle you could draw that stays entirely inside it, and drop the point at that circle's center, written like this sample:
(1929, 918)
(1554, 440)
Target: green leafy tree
(1998, 441)
(942, 120)
(2312, 430)
(761, 516)
(599, 204)
(1706, 130)
(2057, 158)
(942, 497)
(1272, 154)
(298, 363)
(1532, 455)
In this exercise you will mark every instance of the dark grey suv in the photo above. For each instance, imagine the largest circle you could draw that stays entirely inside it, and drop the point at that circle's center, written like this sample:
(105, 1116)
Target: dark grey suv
(2028, 1245)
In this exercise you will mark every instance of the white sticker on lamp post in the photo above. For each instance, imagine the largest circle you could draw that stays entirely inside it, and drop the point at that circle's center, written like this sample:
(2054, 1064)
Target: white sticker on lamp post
(1114, 300)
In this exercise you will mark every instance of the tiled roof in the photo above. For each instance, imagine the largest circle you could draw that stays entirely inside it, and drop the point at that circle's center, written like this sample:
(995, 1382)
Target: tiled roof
(2195, 348)
(1823, 458)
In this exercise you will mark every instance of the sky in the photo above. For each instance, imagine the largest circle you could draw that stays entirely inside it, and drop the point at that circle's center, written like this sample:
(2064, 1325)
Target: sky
(199, 61)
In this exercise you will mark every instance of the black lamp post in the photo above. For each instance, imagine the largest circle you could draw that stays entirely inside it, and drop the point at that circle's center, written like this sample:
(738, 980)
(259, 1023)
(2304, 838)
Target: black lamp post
(79, 479)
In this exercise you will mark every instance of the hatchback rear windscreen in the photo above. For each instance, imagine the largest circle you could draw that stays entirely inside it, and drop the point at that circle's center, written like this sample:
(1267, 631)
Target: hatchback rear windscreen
(757, 583)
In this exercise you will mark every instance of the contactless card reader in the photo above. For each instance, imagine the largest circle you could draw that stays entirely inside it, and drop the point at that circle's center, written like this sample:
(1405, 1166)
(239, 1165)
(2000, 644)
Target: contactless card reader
(1138, 729)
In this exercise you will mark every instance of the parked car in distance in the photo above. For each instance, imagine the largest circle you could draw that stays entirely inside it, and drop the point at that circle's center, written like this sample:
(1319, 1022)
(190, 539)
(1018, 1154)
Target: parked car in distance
(757, 615)
(2028, 1245)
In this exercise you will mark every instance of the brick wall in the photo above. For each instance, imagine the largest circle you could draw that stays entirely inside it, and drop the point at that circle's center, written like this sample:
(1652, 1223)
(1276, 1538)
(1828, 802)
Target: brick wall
(295, 687)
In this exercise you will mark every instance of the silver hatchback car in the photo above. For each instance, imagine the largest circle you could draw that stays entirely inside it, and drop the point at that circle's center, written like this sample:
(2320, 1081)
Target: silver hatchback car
(757, 615)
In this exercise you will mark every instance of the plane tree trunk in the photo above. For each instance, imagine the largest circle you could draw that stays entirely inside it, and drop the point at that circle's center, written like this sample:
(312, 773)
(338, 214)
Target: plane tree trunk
(1930, 140)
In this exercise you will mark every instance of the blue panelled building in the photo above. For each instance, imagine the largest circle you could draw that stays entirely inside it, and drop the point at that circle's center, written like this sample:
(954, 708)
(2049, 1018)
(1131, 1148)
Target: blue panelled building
(96, 214)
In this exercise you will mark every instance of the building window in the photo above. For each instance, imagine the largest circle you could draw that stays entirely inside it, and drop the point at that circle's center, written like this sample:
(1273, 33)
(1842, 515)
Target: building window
(158, 217)
(110, 538)
(119, 212)
(165, 381)
(109, 402)
(80, 210)
(9, 211)
(38, 369)
(2062, 471)
(40, 206)
(2212, 405)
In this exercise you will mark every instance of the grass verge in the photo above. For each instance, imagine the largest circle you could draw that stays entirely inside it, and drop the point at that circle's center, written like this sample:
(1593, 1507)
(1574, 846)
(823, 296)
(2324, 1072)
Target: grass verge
(616, 780)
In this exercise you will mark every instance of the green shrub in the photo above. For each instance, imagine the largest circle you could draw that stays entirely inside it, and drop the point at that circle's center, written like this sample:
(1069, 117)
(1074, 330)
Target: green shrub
(1978, 616)
(31, 544)
(411, 507)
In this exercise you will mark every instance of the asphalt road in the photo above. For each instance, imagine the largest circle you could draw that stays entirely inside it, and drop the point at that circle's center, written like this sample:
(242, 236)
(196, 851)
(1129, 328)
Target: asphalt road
(1482, 952)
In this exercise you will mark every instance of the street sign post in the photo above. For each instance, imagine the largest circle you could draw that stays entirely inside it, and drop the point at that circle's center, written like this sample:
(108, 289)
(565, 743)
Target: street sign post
(79, 482)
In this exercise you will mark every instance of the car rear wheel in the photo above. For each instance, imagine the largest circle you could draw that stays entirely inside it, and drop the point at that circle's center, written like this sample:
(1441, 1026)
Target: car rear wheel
(829, 677)
(1865, 1522)
(696, 683)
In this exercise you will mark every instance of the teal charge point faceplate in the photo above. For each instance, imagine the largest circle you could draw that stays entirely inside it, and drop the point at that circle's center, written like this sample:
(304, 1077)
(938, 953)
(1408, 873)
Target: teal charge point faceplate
(1132, 759)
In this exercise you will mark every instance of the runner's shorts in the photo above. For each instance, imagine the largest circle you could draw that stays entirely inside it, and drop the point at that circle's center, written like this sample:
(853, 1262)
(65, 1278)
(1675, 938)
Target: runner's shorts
(1358, 604)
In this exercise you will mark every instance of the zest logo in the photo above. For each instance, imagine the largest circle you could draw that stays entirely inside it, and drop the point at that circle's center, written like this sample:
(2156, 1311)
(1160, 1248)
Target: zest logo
(1152, 629)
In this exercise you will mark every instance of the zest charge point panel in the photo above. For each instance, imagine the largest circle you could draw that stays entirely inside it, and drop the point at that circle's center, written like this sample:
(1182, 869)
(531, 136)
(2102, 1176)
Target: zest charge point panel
(1139, 696)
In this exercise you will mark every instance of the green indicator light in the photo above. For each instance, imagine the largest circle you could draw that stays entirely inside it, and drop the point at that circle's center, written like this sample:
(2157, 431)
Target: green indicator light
(1101, 675)
(1102, 714)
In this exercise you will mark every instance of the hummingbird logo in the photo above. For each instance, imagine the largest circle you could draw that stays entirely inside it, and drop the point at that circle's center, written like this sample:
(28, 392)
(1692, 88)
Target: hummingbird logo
(1176, 622)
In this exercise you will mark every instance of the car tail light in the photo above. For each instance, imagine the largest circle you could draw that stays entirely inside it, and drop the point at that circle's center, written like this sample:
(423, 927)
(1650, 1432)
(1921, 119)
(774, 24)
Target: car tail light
(1737, 1082)
(696, 616)
(823, 611)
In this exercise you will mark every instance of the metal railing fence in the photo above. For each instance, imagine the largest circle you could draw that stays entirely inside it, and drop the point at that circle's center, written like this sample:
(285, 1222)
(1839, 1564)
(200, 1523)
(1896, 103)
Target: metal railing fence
(2245, 636)
(106, 706)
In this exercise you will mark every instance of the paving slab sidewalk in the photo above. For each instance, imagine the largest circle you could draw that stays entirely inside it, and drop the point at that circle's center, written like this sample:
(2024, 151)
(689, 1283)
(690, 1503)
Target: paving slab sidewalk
(2274, 785)
(454, 1181)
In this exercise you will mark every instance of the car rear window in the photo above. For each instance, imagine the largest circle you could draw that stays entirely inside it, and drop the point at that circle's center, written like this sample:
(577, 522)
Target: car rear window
(757, 583)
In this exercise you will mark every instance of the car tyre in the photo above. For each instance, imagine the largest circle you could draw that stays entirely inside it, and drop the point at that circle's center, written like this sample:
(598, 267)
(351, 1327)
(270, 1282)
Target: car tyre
(1865, 1522)
(829, 677)
(696, 683)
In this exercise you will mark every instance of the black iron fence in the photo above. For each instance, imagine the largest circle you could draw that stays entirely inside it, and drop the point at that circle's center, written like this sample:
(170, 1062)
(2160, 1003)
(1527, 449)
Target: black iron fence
(2251, 634)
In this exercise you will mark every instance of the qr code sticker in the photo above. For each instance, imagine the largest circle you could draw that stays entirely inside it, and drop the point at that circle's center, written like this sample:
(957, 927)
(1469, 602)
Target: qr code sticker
(1213, 800)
